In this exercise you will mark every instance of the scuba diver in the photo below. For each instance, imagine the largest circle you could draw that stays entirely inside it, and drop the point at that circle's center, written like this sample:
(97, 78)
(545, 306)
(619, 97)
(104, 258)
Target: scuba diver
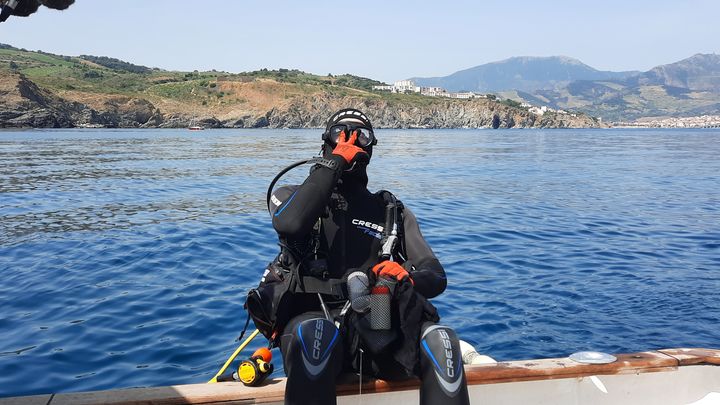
(349, 290)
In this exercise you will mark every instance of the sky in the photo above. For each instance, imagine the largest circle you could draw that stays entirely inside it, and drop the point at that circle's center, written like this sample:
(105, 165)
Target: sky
(383, 40)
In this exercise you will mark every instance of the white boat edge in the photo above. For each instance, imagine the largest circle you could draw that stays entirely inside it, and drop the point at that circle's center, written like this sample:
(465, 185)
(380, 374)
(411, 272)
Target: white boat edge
(669, 376)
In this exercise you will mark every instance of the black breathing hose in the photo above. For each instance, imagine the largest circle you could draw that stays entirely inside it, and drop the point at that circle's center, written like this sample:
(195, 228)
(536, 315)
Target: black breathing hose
(279, 175)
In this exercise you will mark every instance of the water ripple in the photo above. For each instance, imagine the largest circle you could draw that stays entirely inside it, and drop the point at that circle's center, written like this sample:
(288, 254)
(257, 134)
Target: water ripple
(126, 255)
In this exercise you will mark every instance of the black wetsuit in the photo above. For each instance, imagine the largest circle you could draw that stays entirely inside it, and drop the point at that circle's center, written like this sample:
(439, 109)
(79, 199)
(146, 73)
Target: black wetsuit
(349, 239)
(352, 230)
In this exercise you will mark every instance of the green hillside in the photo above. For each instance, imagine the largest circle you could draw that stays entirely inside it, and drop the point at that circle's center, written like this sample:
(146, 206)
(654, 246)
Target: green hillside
(105, 75)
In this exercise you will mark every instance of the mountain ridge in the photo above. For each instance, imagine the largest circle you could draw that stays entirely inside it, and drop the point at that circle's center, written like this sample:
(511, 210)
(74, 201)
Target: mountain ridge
(523, 73)
(688, 87)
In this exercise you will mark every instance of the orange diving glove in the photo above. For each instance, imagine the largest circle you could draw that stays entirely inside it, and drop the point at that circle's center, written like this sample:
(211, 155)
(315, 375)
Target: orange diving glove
(347, 149)
(392, 270)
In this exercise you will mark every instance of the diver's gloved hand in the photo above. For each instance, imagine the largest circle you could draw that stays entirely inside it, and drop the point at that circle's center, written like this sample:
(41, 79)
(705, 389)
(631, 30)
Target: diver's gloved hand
(347, 149)
(391, 270)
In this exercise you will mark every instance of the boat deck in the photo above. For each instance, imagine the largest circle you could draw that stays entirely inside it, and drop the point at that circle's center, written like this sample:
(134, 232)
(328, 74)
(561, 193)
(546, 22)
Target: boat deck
(670, 375)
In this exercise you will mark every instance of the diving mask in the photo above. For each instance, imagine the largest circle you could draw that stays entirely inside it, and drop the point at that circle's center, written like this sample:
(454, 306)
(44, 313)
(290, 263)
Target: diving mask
(365, 136)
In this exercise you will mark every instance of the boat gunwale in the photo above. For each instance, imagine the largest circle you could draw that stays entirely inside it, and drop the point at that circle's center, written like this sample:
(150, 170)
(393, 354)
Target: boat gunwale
(273, 391)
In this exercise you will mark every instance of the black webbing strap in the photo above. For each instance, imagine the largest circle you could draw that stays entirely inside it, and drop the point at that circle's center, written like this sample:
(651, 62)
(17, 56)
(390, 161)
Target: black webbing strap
(334, 286)
(330, 164)
(247, 322)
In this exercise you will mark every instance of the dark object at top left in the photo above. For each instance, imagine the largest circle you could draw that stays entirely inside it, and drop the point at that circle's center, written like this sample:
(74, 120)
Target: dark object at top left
(23, 8)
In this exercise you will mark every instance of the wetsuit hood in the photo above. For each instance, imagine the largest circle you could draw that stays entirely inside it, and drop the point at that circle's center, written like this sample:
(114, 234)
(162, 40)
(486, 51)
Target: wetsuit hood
(356, 175)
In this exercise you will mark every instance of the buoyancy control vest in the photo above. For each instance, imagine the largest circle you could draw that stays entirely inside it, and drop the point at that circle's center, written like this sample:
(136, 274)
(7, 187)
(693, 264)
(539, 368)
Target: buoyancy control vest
(315, 265)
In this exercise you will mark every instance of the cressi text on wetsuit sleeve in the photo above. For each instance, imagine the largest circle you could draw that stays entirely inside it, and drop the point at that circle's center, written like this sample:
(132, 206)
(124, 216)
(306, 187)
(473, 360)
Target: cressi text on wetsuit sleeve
(422, 264)
(294, 210)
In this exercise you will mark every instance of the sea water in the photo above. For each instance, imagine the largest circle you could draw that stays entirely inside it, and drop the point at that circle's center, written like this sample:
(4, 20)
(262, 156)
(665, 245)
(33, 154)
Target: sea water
(125, 255)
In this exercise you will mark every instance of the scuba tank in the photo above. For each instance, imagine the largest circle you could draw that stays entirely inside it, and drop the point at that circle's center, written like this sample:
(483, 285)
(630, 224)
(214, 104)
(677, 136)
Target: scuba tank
(390, 231)
(381, 294)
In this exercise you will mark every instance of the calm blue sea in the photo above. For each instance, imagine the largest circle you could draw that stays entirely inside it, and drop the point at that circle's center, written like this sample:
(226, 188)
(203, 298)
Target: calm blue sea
(125, 255)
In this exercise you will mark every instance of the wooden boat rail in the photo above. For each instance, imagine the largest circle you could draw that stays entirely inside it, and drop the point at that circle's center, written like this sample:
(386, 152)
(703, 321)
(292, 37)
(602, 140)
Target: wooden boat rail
(273, 390)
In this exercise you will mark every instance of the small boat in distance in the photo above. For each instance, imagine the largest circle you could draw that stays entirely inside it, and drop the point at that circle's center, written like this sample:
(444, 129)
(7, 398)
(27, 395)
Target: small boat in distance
(196, 128)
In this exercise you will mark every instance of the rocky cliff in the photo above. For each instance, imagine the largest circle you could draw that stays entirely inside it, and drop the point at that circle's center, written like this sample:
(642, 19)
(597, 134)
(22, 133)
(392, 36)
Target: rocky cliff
(25, 104)
(479, 113)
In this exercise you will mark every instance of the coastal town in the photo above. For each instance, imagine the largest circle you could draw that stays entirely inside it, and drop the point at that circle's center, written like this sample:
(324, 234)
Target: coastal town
(409, 86)
(703, 121)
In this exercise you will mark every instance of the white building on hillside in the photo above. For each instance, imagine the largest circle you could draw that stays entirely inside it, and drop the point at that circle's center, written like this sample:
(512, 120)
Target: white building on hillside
(432, 91)
(405, 85)
(464, 94)
(538, 110)
(409, 86)
(401, 86)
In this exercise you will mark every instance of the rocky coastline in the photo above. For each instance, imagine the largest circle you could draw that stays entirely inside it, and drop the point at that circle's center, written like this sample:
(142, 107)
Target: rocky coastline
(24, 104)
